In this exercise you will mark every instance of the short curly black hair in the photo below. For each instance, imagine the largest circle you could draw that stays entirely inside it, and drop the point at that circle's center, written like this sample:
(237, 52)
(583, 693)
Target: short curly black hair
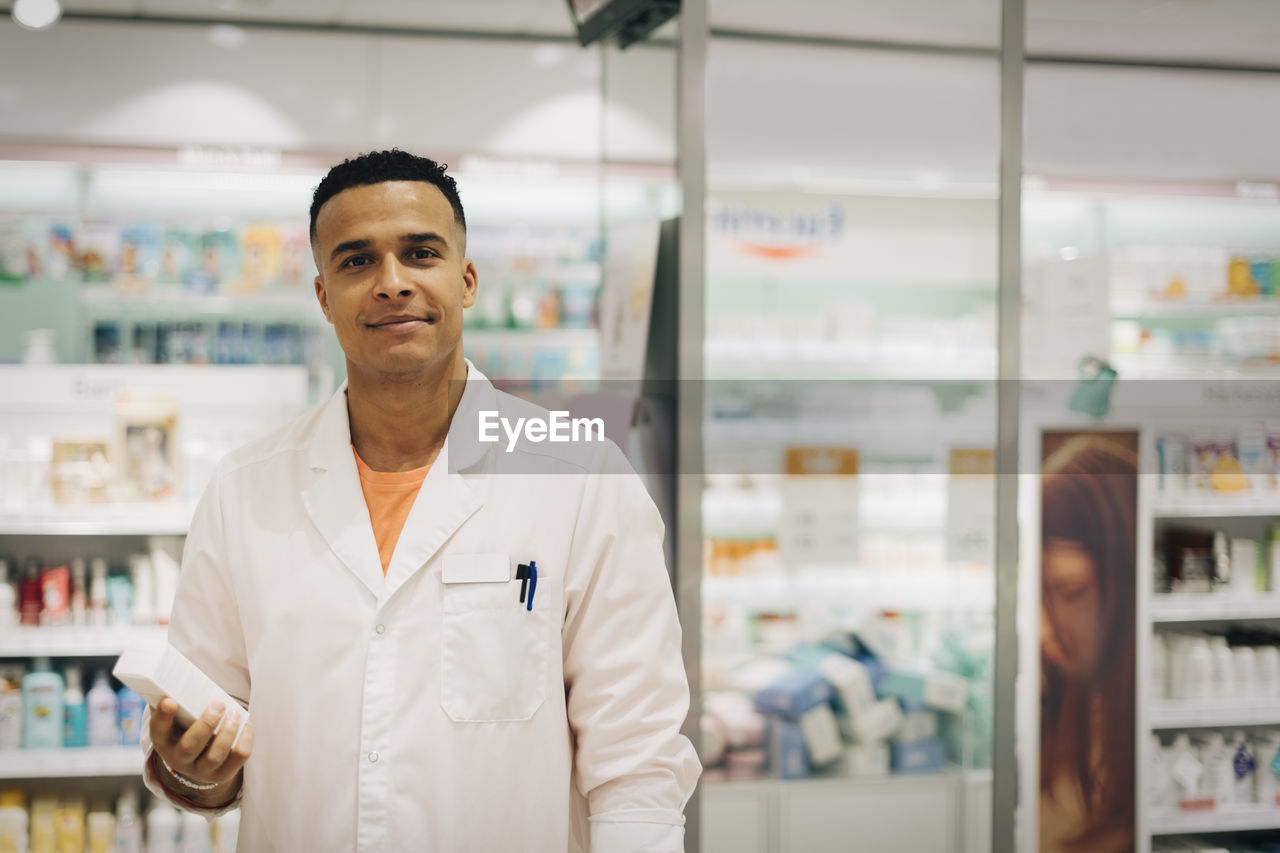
(376, 167)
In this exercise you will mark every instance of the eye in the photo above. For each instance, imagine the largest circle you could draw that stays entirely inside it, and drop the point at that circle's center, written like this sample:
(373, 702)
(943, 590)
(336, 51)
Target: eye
(422, 254)
(355, 261)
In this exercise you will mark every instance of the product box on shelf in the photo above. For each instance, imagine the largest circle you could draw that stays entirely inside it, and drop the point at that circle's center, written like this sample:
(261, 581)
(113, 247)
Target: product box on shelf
(877, 722)
(925, 756)
(787, 753)
(793, 694)
(821, 735)
(943, 691)
(867, 760)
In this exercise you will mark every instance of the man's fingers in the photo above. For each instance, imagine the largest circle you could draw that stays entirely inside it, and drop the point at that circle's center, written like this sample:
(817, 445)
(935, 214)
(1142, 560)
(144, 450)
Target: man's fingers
(220, 748)
(237, 757)
(196, 738)
(162, 717)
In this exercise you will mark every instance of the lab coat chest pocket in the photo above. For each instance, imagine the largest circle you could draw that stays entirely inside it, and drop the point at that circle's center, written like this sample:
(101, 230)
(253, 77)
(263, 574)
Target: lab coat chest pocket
(493, 652)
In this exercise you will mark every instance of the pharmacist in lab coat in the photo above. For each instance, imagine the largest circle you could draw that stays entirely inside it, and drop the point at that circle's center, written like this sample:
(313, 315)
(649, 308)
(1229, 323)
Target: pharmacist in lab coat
(410, 686)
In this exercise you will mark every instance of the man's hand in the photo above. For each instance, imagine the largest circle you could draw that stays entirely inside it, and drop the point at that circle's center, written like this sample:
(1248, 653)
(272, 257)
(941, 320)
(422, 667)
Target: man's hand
(200, 755)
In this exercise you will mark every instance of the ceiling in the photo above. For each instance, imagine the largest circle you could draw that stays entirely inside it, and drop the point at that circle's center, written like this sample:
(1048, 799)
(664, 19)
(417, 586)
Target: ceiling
(1215, 31)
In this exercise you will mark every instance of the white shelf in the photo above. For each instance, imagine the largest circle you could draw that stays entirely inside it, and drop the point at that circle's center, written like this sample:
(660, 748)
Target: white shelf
(1213, 606)
(899, 782)
(1235, 819)
(106, 520)
(74, 642)
(922, 588)
(1224, 307)
(1171, 714)
(545, 338)
(83, 762)
(1202, 505)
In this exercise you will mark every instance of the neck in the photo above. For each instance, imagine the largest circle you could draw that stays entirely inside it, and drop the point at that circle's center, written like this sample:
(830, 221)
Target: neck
(398, 424)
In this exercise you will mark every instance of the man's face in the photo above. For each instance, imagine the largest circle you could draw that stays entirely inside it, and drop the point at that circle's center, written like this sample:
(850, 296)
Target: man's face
(393, 277)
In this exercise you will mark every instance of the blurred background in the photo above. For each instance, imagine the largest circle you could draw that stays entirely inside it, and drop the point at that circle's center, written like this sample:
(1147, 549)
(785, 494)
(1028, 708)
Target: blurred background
(893, 252)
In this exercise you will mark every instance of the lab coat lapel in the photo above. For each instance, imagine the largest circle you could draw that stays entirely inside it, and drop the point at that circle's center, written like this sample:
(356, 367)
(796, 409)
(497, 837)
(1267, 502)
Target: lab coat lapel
(334, 499)
(452, 492)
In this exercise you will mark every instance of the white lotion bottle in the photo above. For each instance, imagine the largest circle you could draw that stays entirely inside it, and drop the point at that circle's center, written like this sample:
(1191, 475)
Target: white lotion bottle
(1224, 669)
(103, 710)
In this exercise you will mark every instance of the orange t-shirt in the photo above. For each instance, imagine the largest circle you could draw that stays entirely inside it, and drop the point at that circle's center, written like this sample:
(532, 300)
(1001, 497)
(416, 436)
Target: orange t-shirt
(389, 495)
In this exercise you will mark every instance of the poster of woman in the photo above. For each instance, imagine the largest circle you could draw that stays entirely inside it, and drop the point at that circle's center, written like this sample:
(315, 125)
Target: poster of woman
(1088, 581)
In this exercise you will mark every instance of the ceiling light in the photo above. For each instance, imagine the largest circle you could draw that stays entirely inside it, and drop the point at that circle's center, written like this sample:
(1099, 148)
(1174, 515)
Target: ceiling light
(36, 14)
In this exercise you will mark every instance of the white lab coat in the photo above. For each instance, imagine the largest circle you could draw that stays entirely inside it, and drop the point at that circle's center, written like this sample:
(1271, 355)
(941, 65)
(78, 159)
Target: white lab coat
(429, 711)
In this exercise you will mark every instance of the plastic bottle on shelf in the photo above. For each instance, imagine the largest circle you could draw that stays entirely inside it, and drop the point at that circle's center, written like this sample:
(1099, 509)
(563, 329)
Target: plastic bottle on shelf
(131, 708)
(1218, 778)
(101, 830)
(128, 824)
(31, 594)
(1198, 679)
(1246, 671)
(1186, 769)
(1159, 667)
(1267, 662)
(42, 706)
(98, 593)
(44, 823)
(103, 710)
(1243, 766)
(11, 707)
(163, 826)
(70, 824)
(144, 590)
(13, 821)
(79, 595)
(165, 570)
(8, 597)
(1224, 684)
(1267, 755)
(75, 714)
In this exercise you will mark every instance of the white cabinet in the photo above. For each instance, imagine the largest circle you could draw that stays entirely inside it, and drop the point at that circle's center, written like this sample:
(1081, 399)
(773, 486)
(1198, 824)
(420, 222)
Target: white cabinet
(942, 813)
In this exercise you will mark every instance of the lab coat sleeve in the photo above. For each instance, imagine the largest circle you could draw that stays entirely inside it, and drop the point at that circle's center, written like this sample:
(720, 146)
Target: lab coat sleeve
(627, 691)
(205, 624)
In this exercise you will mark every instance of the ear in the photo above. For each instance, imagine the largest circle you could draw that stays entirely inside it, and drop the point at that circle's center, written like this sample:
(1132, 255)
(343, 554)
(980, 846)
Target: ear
(470, 283)
(323, 299)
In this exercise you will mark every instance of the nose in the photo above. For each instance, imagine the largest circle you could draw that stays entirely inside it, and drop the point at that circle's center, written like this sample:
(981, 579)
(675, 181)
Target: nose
(391, 283)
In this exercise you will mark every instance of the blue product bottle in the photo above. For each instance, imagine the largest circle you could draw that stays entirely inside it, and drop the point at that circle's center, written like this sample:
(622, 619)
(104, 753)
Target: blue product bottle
(42, 707)
(131, 707)
(75, 714)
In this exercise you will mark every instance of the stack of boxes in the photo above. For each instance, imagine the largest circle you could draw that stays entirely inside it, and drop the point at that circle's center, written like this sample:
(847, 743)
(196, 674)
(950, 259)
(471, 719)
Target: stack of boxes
(837, 709)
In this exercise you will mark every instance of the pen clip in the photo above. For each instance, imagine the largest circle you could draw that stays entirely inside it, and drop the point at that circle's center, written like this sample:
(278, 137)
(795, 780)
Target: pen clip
(533, 583)
(522, 575)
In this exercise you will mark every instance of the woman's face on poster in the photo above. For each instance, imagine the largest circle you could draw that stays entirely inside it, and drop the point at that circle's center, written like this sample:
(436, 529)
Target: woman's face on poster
(1070, 623)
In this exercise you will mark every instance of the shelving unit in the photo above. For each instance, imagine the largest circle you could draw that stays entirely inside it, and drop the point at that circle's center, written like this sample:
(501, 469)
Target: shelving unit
(73, 641)
(1193, 505)
(824, 814)
(81, 763)
(1188, 715)
(106, 520)
(1223, 307)
(1236, 819)
(1213, 607)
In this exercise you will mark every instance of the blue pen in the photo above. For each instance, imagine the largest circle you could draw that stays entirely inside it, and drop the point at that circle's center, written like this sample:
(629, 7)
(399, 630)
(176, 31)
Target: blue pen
(533, 583)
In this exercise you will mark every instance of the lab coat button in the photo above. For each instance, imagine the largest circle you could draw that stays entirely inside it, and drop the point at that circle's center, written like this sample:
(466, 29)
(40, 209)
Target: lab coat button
(373, 758)
(381, 629)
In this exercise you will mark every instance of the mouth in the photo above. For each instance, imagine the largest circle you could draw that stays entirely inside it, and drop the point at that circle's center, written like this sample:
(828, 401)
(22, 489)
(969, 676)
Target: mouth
(400, 323)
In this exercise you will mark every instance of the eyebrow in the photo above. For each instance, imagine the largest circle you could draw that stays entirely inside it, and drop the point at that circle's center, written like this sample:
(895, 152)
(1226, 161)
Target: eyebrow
(357, 245)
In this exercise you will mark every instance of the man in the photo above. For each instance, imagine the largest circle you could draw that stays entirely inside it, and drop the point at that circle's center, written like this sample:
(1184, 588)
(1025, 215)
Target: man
(436, 653)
